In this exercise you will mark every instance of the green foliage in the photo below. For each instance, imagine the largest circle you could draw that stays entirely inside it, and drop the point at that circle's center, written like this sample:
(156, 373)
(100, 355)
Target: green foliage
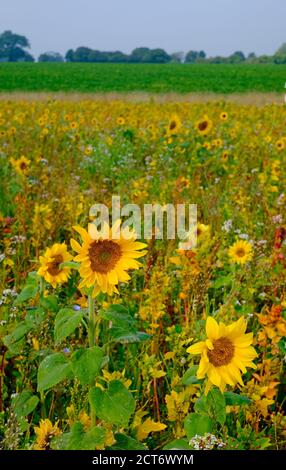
(152, 78)
(178, 444)
(123, 328)
(124, 442)
(12, 47)
(213, 405)
(77, 439)
(190, 377)
(234, 399)
(52, 370)
(24, 403)
(86, 364)
(114, 405)
(29, 291)
(67, 320)
(196, 424)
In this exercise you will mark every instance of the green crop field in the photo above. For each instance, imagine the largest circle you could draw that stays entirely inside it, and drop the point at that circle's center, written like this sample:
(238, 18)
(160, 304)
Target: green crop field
(78, 77)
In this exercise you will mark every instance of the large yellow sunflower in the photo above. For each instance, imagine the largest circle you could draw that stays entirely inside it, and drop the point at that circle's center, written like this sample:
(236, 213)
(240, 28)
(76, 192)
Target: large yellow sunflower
(50, 268)
(226, 353)
(45, 432)
(204, 125)
(105, 260)
(240, 252)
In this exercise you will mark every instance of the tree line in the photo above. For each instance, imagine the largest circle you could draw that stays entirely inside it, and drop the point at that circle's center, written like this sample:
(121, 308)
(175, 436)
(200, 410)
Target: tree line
(15, 48)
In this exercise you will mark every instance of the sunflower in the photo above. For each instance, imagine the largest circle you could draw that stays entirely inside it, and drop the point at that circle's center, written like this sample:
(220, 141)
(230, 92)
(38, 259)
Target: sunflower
(120, 121)
(50, 268)
(280, 144)
(105, 260)
(174, 125)
(240, 252)
(204, 125)
(45, 432)
(225, 155)
(21, 165)
(226, 353)
(224, 116)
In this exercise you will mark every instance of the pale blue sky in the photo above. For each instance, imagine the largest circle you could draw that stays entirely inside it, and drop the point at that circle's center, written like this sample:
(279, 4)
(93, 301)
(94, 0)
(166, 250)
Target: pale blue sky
(217, 26)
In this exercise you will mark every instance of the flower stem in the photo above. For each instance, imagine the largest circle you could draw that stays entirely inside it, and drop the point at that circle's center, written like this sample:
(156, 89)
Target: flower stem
(91, 322)
(91, 338)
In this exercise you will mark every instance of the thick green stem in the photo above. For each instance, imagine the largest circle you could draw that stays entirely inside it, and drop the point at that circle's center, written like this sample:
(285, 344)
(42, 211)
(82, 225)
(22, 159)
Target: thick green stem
(91, 337)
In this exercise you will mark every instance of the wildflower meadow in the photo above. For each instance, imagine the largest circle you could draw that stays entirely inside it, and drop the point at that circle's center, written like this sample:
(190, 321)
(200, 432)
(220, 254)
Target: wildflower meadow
(117, 342)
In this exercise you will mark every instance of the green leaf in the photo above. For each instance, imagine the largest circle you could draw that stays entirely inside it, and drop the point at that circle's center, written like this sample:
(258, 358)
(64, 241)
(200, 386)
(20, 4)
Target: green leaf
(21, 329)
(67, 320)
(117, 312)
(24, 403)
(28, 292)
(216, 405)
(197, 424)
(114, 405)
(70, 264)
(121, 337)
(49, 303)
(124, 442)
(33, 278)
(52, 370)
(190, 376)
(222, 281)
(35, 317)
(86, 364)
(201, 405)
(123, 328)
(77, 439)
(235, 399)
(177, 444)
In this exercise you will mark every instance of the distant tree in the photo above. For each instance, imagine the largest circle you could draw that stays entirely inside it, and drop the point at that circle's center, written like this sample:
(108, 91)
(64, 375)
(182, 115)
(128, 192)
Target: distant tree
(191, 57)
(195, 56)
(264, 59)
(97, 56)
(177, 57)
(117, 56)
(281, 50)
(217, 60)
(138, 54)
(157, 56)
(280, 55)
(69, 55)
(13, 48)
(81, 54)
(251, 56)
(50, 57)
(236, 58)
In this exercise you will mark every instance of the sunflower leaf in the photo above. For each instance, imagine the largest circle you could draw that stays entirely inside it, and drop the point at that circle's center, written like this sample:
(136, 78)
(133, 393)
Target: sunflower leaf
(232, 398)
(196, 424)
(114, 405)
(67, 320)
(86, 364)
(52, 370)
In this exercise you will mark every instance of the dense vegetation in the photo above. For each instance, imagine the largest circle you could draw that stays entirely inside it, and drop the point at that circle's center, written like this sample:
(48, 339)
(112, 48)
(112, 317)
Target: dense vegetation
(13, 48)
(145, 77)
(125, 370)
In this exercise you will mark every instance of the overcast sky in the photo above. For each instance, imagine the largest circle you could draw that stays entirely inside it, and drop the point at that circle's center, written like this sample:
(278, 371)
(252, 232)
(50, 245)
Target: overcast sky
(220, 27)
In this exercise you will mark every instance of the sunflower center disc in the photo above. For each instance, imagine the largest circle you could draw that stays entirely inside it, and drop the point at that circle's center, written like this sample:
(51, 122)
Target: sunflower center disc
(103, 255)
(203, 125)
(53, 268)
(222, 353)
(240, 252)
